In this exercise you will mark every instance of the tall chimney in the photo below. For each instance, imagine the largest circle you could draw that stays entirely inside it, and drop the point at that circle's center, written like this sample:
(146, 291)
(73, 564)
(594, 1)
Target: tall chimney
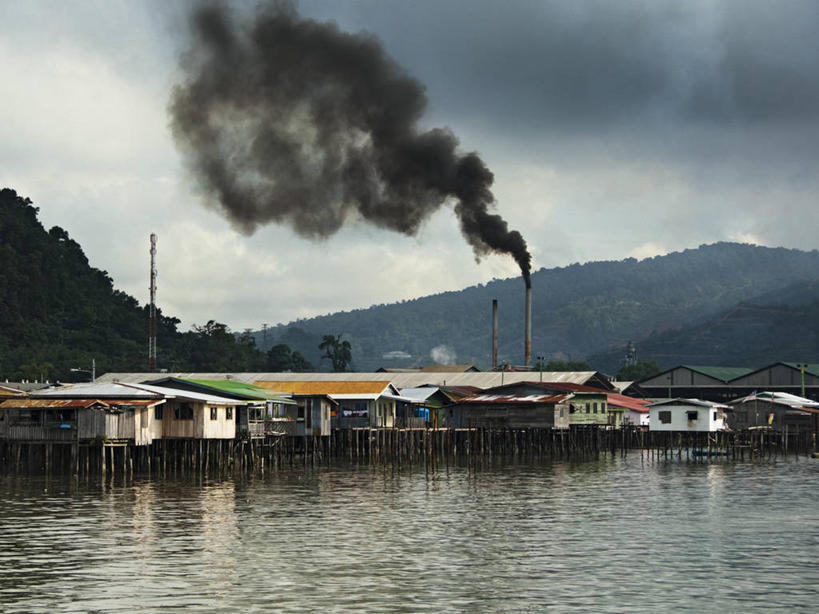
(494, 334)
(528, 343)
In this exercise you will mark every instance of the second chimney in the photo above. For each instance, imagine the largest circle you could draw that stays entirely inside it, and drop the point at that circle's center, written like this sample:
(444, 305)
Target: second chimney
(527, 355)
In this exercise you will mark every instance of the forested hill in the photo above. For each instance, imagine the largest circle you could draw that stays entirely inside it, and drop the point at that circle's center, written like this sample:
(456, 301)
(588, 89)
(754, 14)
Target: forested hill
(578, 310)
(58, 313)
(777, 325)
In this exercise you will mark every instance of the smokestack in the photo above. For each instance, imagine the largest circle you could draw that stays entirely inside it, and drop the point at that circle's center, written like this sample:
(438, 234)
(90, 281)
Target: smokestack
(528, 332)
(494, 334)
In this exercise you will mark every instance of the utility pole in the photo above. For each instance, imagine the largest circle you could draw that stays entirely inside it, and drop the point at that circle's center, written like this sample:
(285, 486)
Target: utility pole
(802, 368)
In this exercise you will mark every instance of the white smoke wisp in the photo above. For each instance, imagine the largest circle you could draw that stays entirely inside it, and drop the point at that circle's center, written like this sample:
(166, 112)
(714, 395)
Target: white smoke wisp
(443, 355)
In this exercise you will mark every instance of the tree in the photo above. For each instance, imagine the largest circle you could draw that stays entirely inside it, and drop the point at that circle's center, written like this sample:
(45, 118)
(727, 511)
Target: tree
(640, 371)
(281, 358)
(339, 352)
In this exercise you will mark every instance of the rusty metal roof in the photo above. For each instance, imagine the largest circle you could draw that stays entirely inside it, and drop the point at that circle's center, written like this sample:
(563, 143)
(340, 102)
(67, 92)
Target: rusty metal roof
(30, 403)
(517, 398)
(621, 400)
(50, 403)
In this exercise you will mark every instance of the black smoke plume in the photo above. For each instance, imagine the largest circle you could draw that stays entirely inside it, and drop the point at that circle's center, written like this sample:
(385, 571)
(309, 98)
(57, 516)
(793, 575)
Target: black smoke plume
(288, 120)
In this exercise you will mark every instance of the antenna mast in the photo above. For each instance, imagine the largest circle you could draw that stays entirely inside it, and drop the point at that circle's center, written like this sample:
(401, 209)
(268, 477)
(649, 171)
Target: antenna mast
(152, 310)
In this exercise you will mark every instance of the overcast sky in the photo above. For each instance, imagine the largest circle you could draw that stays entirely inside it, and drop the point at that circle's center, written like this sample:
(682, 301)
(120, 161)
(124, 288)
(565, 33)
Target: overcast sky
(613, 129)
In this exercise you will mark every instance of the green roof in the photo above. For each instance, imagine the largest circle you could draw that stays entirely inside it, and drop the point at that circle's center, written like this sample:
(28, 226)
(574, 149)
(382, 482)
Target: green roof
(248, 390)
(723, 374)
(813, 369)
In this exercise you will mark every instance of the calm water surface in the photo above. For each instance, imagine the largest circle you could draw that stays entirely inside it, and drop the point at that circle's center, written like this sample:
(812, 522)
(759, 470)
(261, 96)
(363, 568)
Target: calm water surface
(615, 535)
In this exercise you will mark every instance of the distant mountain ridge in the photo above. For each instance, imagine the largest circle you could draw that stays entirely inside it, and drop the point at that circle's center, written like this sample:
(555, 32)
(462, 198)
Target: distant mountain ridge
(580, 311)
(718, 304)
(777, 325)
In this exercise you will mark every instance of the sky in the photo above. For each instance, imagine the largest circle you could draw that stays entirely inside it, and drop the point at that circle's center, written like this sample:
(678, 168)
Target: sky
(613, 130)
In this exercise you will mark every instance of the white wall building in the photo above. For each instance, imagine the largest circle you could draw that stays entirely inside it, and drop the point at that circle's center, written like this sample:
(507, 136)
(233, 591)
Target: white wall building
(687, 415)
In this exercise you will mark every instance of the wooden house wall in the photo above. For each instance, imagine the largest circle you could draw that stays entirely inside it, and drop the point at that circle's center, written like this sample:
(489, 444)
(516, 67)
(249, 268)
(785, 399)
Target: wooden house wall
(317, 416)
(496, 415)
(757, 413)
(383, 413)
(589, 409)
(37, 432)
(221, 428)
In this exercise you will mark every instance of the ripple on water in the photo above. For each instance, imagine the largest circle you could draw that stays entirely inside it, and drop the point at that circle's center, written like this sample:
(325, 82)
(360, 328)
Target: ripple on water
(617, 535)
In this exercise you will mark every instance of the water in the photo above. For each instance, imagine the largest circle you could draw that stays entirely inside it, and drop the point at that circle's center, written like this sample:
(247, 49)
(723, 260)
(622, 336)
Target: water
(615, 535)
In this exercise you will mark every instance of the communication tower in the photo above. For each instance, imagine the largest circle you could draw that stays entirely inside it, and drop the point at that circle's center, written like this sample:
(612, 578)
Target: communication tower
(152, 310)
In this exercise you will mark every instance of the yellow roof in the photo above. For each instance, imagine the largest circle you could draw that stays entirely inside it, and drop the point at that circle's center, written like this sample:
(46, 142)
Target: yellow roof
(330, 387)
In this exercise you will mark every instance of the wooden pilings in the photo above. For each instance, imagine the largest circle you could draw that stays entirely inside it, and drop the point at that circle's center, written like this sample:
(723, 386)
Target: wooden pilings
(399, 447)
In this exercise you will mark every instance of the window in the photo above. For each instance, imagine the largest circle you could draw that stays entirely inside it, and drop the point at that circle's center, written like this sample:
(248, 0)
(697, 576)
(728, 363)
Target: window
(214, 413)
(602, 408)
(665, 417)
(594, 408)
(691, 415)
(588, 409)
(228, 413)
(183, 411)
(158, 412)
(715, 415)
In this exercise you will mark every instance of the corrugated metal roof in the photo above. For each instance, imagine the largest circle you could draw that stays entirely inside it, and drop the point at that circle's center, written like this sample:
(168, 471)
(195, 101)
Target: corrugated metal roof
(620, 400)
(239, 388)
(517, 398)
(50, 403)
(813, 369)
(781, 398)
(482, 379)
(334, 388)
(683, 402)
(723, 374)
(419, 394)
(99, 390)
(174, 393)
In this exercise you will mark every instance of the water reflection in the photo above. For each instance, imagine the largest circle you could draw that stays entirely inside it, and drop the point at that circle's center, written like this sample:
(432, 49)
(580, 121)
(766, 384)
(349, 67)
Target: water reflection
(619, 534)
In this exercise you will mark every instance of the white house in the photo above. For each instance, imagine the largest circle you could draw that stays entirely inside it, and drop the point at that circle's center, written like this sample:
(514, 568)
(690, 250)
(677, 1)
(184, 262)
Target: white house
(687, 415)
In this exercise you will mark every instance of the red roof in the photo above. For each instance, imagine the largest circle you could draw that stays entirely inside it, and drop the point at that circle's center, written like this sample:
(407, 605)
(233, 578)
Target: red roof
(620, 400)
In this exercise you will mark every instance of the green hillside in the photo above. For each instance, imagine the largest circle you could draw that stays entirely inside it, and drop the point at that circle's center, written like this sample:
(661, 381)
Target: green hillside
(579, 310)
(718, 304)
(58, 313)
(781, 325)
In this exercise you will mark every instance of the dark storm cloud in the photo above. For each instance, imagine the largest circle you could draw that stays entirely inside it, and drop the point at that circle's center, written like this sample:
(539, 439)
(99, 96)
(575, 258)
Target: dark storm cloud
(583, 64)
(291, 120)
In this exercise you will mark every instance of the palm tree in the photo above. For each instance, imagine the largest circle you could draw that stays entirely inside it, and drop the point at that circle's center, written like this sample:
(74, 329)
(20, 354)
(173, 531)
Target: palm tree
(339, 352)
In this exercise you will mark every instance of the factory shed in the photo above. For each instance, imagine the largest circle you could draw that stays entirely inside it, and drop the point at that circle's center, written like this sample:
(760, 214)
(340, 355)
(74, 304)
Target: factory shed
(685, 381)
